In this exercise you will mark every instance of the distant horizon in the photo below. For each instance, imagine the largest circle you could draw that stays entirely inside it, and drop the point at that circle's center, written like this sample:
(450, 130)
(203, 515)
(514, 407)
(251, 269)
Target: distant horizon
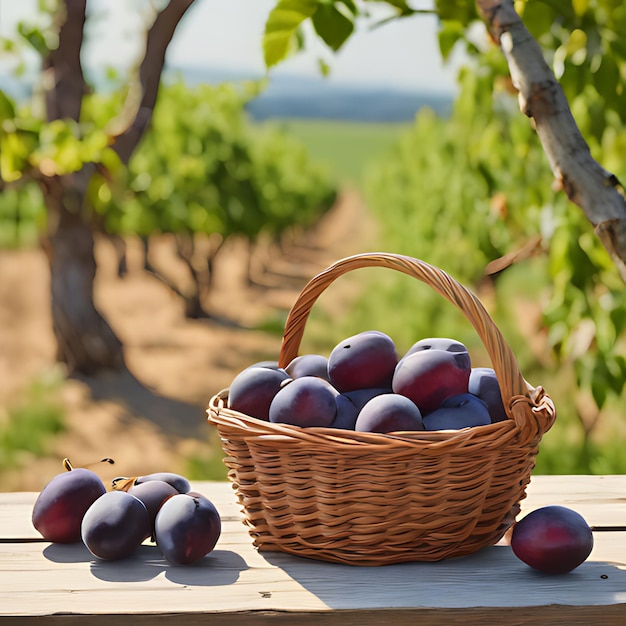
(28, 74)
(243, 73)
(403, 54)
(293, 96)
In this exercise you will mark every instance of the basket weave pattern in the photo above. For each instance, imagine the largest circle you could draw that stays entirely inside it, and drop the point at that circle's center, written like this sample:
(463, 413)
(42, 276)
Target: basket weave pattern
(373, 499)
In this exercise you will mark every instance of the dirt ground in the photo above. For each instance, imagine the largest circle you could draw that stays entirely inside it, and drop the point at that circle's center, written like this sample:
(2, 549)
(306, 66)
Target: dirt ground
(149, 420)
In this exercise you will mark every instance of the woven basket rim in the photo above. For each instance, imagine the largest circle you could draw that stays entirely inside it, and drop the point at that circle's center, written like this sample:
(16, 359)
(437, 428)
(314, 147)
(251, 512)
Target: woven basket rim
(493, 435)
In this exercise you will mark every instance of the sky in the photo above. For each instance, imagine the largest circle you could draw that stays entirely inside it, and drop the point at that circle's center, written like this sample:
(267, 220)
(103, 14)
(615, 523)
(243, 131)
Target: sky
(227, 35)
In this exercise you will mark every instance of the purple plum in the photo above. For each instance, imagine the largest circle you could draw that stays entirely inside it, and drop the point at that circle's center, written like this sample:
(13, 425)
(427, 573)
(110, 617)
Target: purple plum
(365, 360)
(428, 377)
(443, 343)
(483, 383)
(306, 401)
(461, 411)
(115, 525)
(62, 503)
(388, 413)
(187, 528)
(308, 365)
(253, 390)
(347, 413)
(553, 539)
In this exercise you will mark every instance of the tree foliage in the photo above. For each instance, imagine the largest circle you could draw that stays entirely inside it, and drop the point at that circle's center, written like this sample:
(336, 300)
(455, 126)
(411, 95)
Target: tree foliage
(205, 172)
(125, 163)
(481, 182)
(587, 184)
(54, 147)
(205, 169)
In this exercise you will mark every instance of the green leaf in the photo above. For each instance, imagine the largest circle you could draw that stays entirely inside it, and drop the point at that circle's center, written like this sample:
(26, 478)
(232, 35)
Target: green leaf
(401, 5)
(449, 34)
(92, 146)
(539, 19)
(332, 26)
(617, 368)
(351, 6)
(463, 11)
(110, 160)
(12, 157)
(580, 6)
(324, 67)
(599, 387)
(60, 148)
(576, 46)
(281, 27)
(7, 45)
(606, 78)
(621, 362)
(7, 108)
(35, 37)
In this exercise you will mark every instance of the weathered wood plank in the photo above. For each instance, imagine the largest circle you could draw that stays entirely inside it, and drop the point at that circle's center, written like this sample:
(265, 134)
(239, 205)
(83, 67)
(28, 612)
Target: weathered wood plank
(484, 616)
(601, 500)
(236, 584)
(43, 579)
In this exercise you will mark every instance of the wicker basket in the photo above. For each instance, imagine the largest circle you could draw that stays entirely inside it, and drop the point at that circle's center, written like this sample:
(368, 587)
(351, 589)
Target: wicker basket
(375, 499)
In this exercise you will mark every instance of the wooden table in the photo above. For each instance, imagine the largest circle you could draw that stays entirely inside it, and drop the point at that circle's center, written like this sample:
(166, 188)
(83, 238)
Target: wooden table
(235, 584)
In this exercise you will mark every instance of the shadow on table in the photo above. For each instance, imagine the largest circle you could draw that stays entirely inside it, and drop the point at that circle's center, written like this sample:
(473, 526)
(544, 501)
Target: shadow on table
(173, 416)
(220, 567)
(493, 577)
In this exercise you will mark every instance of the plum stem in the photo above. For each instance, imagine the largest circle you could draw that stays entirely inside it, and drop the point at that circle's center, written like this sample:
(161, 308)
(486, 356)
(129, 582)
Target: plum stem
(68, 467)
(123, 483)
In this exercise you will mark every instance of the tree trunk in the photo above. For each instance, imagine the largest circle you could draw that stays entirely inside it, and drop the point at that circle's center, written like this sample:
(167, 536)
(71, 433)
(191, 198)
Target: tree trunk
(85, 341)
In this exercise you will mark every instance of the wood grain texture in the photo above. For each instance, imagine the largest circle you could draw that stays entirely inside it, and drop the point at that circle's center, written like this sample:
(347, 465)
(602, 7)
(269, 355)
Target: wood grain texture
(40, 582)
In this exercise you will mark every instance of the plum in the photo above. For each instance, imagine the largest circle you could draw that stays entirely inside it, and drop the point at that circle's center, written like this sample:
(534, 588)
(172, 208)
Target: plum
(115, 525)
(388, 413)
(187, 527)
(308, 365)
(153, 494)
(272, 365)
(483, 383)
(461, 411)
(253, 390)
(180, 483)
(365, 360)
(443, 343)
(428, 377)
(306, 401)
(62, 503)
(347, 413)
(553, 539)
(360, 397)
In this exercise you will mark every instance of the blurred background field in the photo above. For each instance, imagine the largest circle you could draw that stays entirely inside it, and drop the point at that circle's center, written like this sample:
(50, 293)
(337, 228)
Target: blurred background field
(456, 178)
(346, 147)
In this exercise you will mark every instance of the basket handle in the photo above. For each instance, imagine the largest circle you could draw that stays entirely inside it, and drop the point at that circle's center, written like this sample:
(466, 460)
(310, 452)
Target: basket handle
(512, 384)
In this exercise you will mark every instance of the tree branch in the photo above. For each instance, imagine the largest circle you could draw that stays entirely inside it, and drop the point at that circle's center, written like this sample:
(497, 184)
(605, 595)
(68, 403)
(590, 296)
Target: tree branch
(158, 38)
(597, 192)
(62, 70)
